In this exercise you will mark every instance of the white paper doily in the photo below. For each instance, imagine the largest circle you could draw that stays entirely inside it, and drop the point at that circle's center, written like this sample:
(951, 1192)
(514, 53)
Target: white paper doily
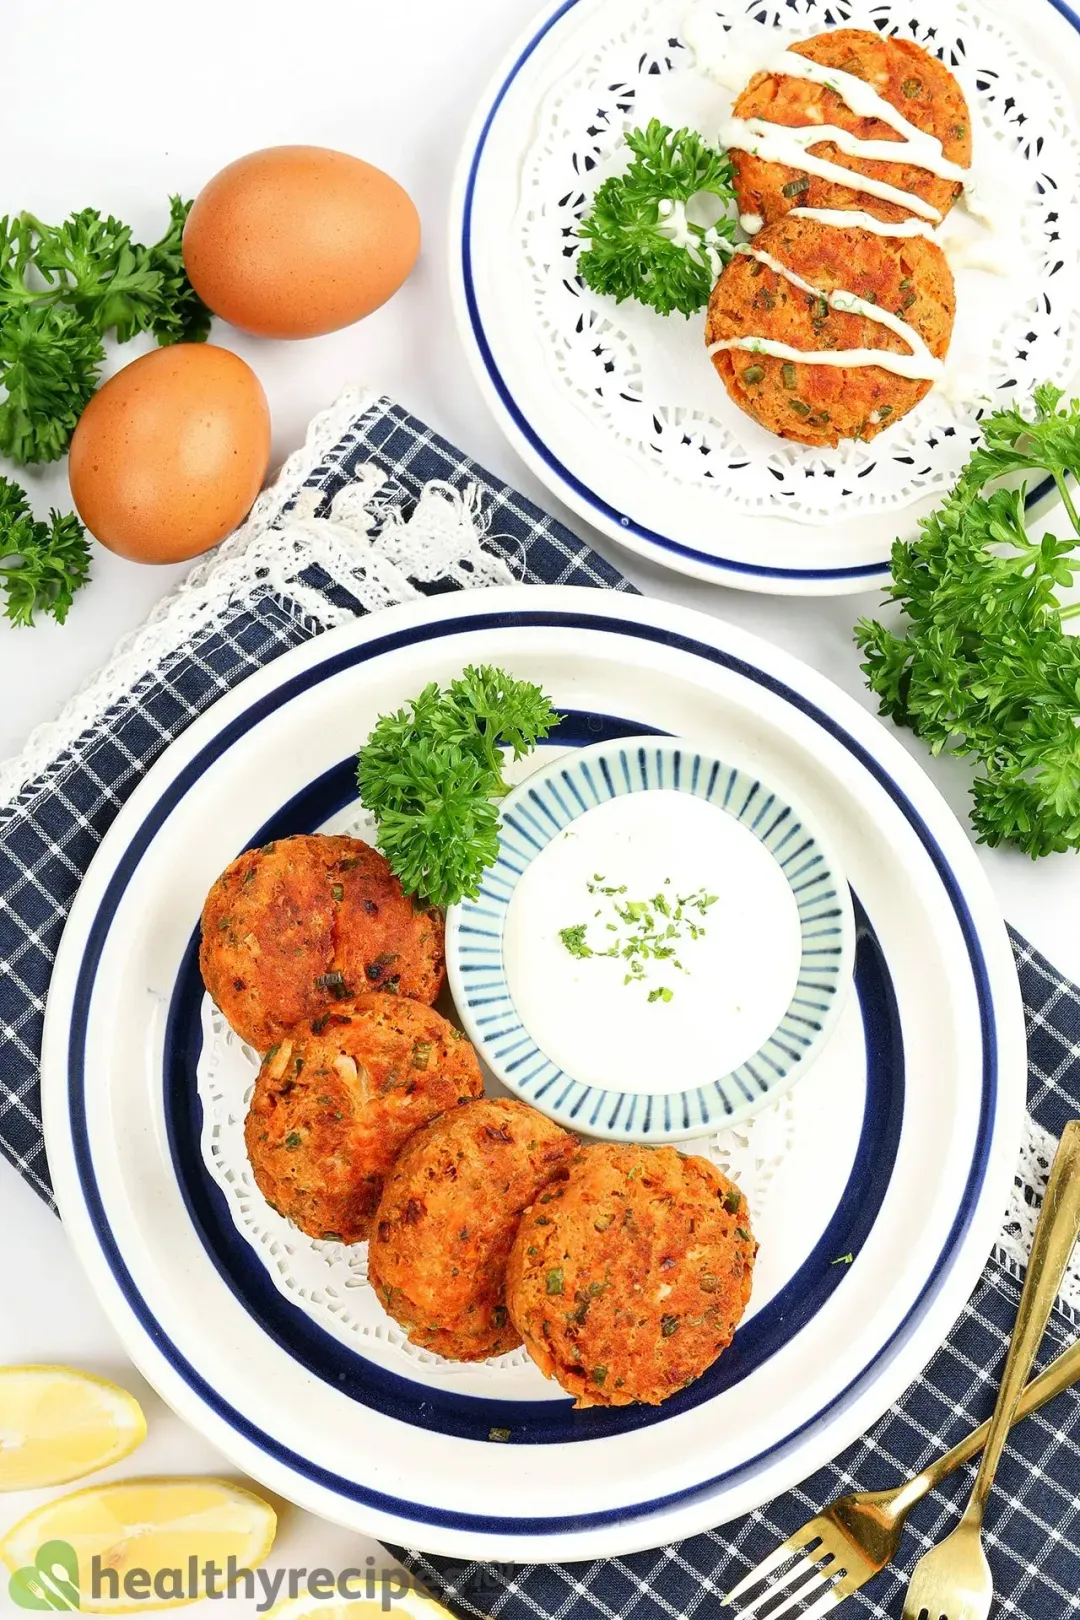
(644, 385)
(329, 1281)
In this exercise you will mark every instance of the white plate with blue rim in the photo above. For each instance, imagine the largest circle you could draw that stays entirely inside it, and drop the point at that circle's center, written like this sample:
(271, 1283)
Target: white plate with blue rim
(618, 411)
(603, 1024)
(876, 1184)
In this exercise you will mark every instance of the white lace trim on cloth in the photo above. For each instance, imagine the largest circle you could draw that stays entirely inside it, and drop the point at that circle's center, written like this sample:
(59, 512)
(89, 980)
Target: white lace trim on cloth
(364, 544)
(1025, 1202)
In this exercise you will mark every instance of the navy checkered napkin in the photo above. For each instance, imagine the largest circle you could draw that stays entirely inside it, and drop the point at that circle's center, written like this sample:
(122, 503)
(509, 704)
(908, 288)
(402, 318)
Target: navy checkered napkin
(47, 838)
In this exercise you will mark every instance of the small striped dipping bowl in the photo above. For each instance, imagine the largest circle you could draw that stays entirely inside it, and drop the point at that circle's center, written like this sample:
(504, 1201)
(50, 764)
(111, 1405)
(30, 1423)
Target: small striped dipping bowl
(568, 787)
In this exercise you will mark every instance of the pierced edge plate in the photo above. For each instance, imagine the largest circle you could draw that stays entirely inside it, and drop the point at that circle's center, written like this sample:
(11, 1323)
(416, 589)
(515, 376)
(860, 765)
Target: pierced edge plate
(1056, 25)
(882, 757)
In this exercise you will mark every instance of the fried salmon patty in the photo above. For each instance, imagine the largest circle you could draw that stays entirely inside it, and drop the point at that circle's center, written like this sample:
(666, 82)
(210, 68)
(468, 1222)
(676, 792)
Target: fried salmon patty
(293, 928)
(819, 404)
(904, 75)
(448, 1217)
(627, 1280)
(335, 1102)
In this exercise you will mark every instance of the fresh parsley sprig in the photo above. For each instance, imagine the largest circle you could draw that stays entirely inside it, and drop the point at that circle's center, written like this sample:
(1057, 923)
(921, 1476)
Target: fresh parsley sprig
(63, 288)
(431, 773)
(641, 243)
(42, 565)
(982, 666)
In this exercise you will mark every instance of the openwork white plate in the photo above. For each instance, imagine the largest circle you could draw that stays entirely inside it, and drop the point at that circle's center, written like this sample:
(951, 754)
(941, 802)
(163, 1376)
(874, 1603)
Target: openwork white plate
(620, 411)
(877, 1187)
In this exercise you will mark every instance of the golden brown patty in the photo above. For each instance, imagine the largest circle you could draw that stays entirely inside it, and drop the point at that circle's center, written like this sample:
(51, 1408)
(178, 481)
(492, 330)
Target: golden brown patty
(903, 74)
(627, 1280)
(817, 404)
(448, 1216)
(290, 930)
(335, 1103)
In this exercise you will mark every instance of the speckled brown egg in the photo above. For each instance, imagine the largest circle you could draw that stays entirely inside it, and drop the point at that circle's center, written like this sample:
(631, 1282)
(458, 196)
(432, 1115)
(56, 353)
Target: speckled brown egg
(294, 241)
(170, 454)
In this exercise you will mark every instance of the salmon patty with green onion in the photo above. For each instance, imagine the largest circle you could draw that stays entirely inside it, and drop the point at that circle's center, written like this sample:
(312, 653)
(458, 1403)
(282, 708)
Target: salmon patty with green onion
(903, 74)
(336, 1101)
(627, 1280)
(823, 404)
(294, 928)
(449, 1214)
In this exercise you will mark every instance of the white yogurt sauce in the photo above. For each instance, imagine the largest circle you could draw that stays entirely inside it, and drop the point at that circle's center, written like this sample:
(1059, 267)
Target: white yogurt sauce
(842, 218)
(920, 364)
(916, 145)
(675, 222)
(777, 143)
(722, 54)
(740, 975)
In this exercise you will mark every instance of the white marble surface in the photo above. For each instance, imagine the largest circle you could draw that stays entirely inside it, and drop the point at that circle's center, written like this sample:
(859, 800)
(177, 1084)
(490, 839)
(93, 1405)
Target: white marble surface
(116, 104)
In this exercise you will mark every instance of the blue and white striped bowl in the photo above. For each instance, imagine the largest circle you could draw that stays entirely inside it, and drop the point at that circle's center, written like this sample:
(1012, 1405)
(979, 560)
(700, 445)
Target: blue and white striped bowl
(555, 796)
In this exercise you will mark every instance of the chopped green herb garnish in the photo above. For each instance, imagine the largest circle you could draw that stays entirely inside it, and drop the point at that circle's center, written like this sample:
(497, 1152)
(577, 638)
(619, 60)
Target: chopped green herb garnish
(733, 1200)
(555, 1280)
(574, 939)
(646, 930)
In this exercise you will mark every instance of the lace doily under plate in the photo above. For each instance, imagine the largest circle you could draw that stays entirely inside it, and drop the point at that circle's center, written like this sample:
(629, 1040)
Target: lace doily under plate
(329, 1282)
(643, 387)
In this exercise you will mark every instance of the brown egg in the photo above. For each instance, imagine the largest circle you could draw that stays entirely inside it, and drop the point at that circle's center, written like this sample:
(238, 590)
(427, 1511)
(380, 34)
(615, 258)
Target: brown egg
(170, 454)
(294, 241)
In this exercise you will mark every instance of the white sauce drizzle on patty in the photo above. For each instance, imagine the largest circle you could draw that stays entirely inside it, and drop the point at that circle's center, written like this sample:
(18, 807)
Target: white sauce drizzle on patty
(777, 143)
(920, 365)
(842, 218)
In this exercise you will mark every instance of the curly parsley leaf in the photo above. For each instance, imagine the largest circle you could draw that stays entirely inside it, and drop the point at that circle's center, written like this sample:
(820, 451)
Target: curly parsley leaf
(642, 245)
(99, 273)
(42, 565)
(62, 289)
(49, 366)
(430, 774)
(981, 665)
(180, 315)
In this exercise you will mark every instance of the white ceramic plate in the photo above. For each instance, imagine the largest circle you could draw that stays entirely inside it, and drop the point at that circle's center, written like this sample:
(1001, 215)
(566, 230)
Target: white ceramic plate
(903, 1144)
(618, 412)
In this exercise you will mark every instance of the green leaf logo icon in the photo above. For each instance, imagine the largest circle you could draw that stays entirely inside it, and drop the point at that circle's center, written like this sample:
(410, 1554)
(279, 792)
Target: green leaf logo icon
(50, 1582)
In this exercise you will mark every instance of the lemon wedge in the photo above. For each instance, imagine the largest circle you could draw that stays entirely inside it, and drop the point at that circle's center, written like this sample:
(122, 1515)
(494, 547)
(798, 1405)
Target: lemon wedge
(141, 1544)
(413, 1606)
(57, 1424)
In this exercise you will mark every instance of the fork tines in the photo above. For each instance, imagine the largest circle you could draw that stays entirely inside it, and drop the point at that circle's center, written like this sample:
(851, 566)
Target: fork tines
(813, 1575)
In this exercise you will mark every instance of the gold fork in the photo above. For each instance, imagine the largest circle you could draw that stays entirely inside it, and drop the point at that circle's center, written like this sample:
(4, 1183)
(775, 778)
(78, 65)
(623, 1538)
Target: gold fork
(842, 1548)
(953, 1580)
